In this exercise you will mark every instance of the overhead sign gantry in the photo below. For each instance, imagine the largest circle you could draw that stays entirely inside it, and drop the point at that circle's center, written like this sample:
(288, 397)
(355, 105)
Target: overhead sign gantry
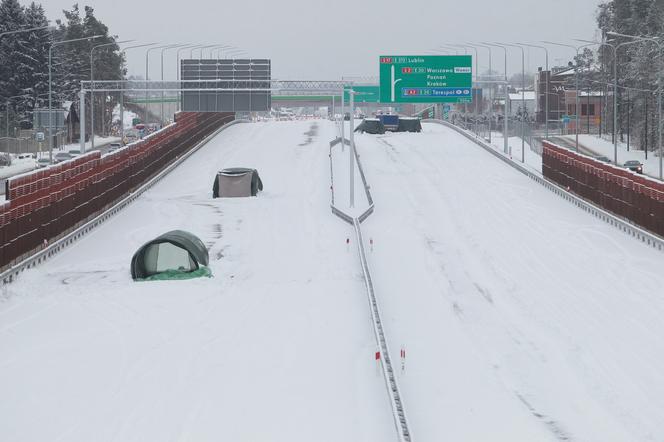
(426, 79)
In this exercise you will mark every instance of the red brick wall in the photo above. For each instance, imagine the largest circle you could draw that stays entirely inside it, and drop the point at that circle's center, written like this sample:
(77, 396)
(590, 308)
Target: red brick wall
(47, 204)
(635, 197)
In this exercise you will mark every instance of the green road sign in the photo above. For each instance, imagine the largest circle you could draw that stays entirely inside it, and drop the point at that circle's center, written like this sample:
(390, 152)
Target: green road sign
(426, 79)
(364, 94)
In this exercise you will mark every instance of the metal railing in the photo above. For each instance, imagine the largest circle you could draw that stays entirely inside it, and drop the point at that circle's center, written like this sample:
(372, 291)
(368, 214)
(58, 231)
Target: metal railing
(398, 409)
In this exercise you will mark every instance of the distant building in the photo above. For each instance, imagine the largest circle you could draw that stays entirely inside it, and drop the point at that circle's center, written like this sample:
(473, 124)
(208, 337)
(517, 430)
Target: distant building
(590, 115)
(558, 78)
(516, 104)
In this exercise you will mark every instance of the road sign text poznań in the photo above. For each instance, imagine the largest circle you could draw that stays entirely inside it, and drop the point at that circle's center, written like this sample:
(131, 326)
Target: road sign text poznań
(426, 79)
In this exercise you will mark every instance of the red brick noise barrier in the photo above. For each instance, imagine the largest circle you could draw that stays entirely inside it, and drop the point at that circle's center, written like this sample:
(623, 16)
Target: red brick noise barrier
(632, 196)
(44, 205)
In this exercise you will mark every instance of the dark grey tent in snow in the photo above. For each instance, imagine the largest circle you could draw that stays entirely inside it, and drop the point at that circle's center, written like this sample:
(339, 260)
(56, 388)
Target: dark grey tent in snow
(173, 255)
(409, 125)
(236, 181)
(371, 126)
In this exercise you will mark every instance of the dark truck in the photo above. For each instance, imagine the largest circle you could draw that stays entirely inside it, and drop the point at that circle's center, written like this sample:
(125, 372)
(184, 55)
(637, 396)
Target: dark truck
(390, 122)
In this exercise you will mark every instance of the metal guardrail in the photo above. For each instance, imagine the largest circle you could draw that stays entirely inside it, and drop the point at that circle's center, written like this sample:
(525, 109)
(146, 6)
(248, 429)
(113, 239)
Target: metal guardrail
(398, 409)
(621, 224)
(13, 272)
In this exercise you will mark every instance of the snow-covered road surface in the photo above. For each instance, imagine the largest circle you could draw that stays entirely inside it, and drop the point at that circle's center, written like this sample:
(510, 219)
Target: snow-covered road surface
(276, 346)
(523, 317)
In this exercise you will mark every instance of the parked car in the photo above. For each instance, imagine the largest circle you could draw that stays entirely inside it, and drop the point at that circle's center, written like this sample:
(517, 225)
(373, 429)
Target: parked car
(603, 159)
(634, 166)
(43, 162)
(74, 152)
(62, 156)
(114, 146)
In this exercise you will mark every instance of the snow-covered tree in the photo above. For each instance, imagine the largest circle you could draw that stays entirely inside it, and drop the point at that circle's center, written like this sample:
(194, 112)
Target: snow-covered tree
(638, 65)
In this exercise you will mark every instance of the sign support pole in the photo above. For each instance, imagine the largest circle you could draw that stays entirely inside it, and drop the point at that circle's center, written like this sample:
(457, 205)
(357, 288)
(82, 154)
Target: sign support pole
(343, 118)
(351, 150)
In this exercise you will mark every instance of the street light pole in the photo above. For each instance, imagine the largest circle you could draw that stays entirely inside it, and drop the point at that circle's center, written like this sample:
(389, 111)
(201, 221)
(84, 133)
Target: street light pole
(92, 91)
(660, 88)
(546, 96)
(147, 78)
(161, 122)
(50, 88)
(523, 97)
(488, 48)
(351, 149)
(18, 31)
(219, 49)
(576, 87)
(506, 146)
(614, 48)
(343, 117)
(450, 48)
(122, 91)
(477, 73)
(235, 52)
(178, 68)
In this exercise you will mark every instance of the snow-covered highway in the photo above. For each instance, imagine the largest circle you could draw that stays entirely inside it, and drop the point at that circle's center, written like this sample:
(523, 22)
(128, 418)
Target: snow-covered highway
(523, 317)
(276, 346)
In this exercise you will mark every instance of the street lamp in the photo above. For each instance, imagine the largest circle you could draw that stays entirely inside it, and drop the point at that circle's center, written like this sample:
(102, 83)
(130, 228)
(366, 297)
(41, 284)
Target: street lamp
(23, 30)
(488, 48)
(177, 58)
(92, 90)
(147, 78)
(50, 86)
(477, 73)
(447, 49)
(614, 48)
(236, 52)
(178, 67)
(523, 95)
(162, 76)
(201, 47)
(505, 135)
(659, 95)
(546, 96)
(122, 91)
(219, 49)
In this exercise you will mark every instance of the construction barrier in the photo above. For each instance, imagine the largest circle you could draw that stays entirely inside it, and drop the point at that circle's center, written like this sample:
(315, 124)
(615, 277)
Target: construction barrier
(635, 197)
(44, 205)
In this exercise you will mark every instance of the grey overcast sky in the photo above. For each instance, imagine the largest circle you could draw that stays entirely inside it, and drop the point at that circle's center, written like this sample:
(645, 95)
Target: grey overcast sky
(325, 40)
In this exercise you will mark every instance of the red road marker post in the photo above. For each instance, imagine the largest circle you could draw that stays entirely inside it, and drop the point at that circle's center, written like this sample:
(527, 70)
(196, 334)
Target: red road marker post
(347, 244)
(371, 244)
(403, 359)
